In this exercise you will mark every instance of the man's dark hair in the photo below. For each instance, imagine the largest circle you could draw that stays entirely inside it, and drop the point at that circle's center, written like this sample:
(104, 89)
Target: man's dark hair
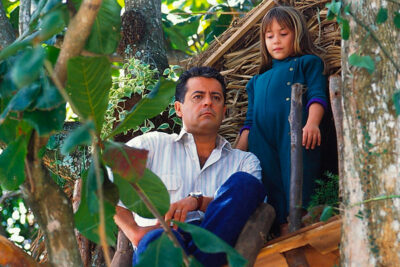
(206, 72)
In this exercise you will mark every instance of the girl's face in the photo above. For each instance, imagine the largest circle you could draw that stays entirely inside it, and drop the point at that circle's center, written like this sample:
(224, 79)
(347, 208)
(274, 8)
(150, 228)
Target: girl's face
(279, 41)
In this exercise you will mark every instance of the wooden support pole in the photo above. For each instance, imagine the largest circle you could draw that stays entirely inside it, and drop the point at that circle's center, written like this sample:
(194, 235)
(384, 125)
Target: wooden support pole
(296, 257)
(124, 253)
(254, 234)
(296, 157)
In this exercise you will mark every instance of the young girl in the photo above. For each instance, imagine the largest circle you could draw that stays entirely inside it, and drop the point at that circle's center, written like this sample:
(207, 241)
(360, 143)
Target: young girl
(287, 57)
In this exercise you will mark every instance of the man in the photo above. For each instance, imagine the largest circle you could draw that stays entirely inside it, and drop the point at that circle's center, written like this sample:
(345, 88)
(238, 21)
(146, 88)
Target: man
(199, 168)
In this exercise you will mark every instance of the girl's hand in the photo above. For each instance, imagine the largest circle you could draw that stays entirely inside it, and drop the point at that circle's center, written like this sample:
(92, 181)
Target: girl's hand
(311, 135)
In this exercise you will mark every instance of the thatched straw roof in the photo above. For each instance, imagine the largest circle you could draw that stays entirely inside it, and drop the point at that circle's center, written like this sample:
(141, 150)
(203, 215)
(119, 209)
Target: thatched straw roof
(236, 54)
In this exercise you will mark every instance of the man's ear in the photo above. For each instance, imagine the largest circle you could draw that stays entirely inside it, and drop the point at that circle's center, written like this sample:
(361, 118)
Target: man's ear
(178, 108)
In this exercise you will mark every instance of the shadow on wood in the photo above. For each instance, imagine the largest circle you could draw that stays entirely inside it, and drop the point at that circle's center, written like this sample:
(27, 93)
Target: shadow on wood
(254, 234)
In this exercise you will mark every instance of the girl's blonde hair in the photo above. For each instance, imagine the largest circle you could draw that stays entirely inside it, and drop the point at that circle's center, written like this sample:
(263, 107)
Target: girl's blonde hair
(295, 22)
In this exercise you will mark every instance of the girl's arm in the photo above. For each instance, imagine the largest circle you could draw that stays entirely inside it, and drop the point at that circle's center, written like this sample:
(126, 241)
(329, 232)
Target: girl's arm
(311, 132)
(243, 143)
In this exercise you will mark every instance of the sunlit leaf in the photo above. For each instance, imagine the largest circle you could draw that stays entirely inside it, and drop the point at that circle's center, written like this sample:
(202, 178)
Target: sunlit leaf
(12, 164)
(161, 253)
(148, 107)
(28, 66)
(105, 34)
(128, 162)
(382, 15)
(88, 84)
(365, 62)
(45, 122)
(210, 243)
(88, 223)
(79, 136)
(152, 186)
(326, 213)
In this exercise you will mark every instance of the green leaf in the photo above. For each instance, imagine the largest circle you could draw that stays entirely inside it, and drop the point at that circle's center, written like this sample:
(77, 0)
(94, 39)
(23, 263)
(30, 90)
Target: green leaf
(161, 253)
(105, 34)
(49, 96)
(396, 19)
(80, 136)
(365, 62)
(148, 107)
(128, 162)
(163, 126)
(396, 102)
(382, 15)
(88, 223)
(28, 66)
(45, 122)
(91, 188)
(88, 84)
(52, 53)
(8, 130)
(194, 263)
(177, 120)
(210, 243)
(326, 213)
(12, 164)
(51, 24)
(345, 29)
(21, 100)
(152, 186)
(14, 47)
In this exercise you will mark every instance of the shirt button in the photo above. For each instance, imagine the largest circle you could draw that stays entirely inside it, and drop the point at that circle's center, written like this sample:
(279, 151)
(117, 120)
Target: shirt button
(288, 83)
(295, 59)
(287, 98)
(291, 69)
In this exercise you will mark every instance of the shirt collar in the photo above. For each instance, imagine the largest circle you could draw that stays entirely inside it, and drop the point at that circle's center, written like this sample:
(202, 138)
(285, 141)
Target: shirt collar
(221, 142)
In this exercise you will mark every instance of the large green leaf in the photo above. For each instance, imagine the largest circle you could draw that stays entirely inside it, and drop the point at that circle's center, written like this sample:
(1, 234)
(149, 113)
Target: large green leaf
(21, 100)
(128, 162)
(210, 243)
(88, 223)
(365, 62)
(88, 83)
(382, 15)
(161, 253)
(12, 164)
(45, 122)
(28, 66)
(153, 188)
(148, 107)
(80, 136)
(105, 34)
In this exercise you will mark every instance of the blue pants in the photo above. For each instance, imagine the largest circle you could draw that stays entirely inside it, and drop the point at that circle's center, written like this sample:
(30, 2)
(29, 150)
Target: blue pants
(235, 201)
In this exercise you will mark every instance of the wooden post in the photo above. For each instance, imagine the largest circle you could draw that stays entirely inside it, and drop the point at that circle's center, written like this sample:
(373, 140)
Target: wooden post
(296, 157)
(124, 253)
(296, 257)
(254, 234)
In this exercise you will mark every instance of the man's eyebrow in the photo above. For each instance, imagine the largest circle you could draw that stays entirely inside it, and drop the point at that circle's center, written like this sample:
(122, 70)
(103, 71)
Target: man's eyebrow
(198, 92)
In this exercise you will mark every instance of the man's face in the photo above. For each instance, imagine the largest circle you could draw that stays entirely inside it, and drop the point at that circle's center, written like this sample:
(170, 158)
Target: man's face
(203, 109)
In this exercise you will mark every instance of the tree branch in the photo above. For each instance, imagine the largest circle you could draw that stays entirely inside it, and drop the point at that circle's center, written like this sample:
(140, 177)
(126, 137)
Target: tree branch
(24, 15)
(75, 38)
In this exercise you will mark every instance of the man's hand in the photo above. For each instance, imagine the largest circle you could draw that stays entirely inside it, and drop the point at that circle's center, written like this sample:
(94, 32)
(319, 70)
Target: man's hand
(179, 209)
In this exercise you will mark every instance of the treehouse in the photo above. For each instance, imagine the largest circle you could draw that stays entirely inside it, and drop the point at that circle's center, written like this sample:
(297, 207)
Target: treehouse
(235, 53)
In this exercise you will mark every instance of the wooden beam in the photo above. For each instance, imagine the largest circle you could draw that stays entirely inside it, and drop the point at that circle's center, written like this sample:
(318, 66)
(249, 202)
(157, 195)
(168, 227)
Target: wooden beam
(250, 22)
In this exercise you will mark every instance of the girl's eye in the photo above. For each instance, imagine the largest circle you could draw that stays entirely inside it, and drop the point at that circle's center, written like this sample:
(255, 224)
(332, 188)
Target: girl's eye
(269, 36)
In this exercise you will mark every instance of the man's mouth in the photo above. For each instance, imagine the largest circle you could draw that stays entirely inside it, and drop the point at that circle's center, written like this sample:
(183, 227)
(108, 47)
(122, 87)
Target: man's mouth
(207, 113)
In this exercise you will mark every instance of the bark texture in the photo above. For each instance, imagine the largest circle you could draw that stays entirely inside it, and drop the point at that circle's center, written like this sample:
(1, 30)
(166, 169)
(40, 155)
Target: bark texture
(371, 165)
(7, 35)
(51, 208)
(150, 45)
(24, 15)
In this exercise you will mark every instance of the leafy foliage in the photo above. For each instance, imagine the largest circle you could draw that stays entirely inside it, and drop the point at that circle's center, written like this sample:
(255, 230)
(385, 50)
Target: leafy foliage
(326, 191)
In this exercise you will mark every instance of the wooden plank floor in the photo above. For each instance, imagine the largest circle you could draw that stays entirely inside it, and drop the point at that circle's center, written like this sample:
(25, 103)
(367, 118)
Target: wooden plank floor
(320, 242)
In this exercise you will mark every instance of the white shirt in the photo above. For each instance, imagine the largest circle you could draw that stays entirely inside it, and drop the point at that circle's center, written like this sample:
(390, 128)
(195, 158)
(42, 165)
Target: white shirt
(174, 159)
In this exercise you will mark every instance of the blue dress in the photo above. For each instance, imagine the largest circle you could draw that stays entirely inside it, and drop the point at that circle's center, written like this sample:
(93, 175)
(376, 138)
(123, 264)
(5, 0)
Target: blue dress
(267, 117)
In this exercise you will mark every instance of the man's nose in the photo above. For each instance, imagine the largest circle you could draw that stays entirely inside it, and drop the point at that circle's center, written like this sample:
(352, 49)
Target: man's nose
(207, 100)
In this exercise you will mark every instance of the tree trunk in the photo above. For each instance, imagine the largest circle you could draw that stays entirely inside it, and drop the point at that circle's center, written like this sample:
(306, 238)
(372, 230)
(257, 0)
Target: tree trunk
(148, 43)
(24, 15)
(51, 207)
(371, 165)
(7, 35)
